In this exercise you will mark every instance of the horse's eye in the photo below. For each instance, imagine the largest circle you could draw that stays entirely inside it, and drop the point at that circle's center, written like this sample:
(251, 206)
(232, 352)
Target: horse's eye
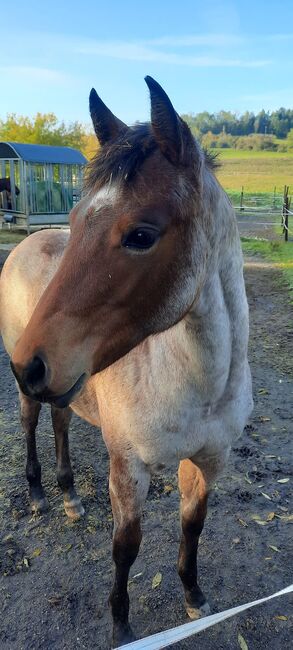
(140, 238)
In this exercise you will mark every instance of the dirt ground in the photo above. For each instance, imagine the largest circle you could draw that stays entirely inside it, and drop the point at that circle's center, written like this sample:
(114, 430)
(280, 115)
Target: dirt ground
(56, 575)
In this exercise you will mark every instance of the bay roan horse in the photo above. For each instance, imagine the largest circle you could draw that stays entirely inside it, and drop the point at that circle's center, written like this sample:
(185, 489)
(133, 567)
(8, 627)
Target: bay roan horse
(137, 320)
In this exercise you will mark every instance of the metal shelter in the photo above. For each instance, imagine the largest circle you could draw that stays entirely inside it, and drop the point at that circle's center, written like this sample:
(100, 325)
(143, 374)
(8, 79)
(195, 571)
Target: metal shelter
(49, 180)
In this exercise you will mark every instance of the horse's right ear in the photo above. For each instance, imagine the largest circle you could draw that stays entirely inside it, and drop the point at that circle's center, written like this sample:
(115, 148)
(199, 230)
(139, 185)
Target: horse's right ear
(107, 126)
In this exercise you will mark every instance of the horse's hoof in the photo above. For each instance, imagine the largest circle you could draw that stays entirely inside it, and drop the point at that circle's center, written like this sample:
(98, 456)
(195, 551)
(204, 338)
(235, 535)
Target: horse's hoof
(122, 636)
(198, 612)
(74, 508)
(39, 506)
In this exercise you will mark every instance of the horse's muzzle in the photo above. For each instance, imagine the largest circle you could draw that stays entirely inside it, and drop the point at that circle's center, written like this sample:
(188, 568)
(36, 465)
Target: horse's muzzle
(34, 379)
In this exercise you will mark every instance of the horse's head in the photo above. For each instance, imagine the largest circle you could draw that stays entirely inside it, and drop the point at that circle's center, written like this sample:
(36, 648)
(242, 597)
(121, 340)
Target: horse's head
(136, 255)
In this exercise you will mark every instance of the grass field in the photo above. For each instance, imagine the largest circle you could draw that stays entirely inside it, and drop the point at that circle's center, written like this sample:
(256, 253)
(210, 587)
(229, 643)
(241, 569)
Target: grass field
(11, 236)
(256, 171)
(280, 253)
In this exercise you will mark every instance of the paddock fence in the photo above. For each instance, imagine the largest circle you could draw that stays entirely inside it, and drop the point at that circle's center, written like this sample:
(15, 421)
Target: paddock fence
(264, 214)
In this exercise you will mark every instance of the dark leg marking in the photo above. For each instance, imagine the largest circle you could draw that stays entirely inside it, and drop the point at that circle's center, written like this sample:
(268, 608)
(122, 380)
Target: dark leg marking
(193, 512)
(128, 493)
(126, 544)
(29, 413)
(72, 503)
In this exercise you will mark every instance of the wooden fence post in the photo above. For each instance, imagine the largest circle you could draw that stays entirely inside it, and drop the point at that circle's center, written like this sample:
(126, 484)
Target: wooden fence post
(241, 198)
(285, 218)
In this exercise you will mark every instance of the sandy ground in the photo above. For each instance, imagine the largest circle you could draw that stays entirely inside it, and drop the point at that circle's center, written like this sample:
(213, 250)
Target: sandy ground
(55, 576)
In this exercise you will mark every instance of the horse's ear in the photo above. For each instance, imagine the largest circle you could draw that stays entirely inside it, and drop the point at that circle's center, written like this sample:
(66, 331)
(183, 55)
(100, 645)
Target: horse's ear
(169, 130)
(107, 126)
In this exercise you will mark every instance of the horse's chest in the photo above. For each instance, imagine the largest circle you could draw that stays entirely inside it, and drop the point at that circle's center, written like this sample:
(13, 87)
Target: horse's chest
(165, 409)
(172, 422)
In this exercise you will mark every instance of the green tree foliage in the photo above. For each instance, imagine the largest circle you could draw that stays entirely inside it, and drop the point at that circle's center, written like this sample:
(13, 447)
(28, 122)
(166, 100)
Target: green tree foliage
(41, 129)
(44, 128)
(277, 123)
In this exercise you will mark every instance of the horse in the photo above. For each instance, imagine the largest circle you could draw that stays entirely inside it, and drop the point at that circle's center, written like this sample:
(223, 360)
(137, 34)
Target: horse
(137, 320)
(5, 186)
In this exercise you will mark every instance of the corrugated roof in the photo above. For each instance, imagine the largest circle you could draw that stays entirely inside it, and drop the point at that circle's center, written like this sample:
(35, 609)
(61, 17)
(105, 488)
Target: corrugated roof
(40, 153)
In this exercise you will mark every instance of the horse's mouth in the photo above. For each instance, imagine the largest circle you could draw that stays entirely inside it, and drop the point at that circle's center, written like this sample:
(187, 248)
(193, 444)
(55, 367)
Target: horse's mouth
(60, 401)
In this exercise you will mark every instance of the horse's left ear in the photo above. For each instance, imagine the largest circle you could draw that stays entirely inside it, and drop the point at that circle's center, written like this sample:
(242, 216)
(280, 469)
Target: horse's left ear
(107, 126)
(171, 133)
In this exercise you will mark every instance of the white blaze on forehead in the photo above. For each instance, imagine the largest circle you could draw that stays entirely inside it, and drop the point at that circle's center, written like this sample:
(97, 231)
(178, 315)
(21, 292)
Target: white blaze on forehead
(105, 196)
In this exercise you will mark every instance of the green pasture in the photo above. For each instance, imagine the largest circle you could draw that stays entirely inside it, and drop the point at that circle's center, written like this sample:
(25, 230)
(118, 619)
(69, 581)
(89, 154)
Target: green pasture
(11, 236)
(256, 171)
(279, 253)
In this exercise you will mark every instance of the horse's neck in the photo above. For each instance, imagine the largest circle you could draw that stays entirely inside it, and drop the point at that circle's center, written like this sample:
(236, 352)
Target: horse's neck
(217, 323)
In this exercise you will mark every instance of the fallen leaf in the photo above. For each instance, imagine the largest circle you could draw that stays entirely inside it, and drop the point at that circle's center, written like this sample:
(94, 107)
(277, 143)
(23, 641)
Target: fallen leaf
(268, 558)
(36, 552)
(283, 480)
(263, 391)
(261, 523)
(270, 516)
(26, 562)
(287, 518)
(242, 522)
(242, 642)
(264, 418)
(266, 496)
(274, 548)
(55, 600)
(255, 517)
(282, 618)
(168, 488)
(157, 579)
(67, 548)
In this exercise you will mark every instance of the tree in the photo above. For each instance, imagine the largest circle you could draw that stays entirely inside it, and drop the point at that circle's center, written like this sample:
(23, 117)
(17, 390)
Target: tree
(44, 128)
(281, 122)
(262, 122)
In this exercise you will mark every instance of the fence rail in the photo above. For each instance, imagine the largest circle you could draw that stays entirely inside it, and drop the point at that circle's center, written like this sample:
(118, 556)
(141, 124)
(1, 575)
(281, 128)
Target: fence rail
(263, 208)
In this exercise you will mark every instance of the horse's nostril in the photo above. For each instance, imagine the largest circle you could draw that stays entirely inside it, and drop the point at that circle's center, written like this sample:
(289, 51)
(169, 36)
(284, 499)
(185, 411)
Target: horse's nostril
(35, 374)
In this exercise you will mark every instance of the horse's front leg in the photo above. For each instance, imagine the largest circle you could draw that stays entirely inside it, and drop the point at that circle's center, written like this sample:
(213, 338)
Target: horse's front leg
(195, 480)
(129, 484)
(29, 413)
(72, 503)
(193, 509)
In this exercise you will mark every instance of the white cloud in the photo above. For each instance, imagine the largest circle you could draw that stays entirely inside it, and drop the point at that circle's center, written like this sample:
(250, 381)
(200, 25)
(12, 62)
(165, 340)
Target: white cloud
(141, 52)
(33, 73)
(190, 40)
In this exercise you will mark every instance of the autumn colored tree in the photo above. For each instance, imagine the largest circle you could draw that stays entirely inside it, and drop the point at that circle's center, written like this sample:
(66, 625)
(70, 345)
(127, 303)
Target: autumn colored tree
(44, 128)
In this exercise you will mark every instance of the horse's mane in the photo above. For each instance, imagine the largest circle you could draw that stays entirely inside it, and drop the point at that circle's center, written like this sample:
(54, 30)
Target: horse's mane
(122, 159)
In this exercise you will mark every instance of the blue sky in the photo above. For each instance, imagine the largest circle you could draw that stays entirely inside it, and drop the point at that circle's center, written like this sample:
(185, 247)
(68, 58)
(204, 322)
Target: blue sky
(208, 55)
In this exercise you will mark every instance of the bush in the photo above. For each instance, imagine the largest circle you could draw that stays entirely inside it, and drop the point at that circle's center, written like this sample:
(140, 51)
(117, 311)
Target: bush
(257, 142)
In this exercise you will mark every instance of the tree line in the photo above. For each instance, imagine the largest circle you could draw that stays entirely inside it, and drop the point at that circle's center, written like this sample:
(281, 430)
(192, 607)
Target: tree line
(272, 131)
(277, 123)
(263, 131)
